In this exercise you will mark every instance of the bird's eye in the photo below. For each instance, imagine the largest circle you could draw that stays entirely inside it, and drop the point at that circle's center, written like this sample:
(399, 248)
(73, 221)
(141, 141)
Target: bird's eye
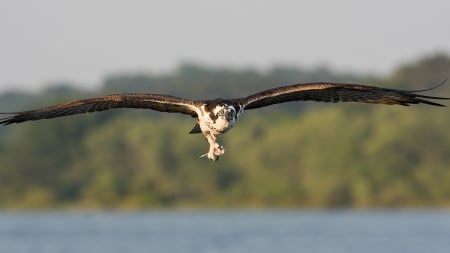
(221, 113)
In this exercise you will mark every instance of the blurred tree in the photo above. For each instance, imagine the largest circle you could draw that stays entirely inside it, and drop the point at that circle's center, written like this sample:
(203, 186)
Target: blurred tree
(424, 73)
(341, 155)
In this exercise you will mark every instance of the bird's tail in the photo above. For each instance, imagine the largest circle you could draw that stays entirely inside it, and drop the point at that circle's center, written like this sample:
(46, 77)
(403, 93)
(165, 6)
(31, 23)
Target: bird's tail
(196, 129)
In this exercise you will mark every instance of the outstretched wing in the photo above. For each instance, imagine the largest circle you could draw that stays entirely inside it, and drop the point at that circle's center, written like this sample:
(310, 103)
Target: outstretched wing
(335, 92)
(162, 103)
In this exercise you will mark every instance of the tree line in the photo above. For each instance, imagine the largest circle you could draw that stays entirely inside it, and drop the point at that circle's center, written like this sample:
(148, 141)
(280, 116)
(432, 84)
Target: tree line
(293, 155)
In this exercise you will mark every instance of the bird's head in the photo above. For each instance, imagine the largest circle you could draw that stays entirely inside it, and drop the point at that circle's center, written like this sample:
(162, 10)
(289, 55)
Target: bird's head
(225, 111)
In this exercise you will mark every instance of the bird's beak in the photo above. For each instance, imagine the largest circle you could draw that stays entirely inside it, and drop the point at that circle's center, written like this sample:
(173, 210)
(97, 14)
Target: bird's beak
(229, 115)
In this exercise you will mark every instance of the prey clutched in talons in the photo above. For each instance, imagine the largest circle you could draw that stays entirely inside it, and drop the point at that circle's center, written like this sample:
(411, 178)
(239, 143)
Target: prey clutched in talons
(215, 151)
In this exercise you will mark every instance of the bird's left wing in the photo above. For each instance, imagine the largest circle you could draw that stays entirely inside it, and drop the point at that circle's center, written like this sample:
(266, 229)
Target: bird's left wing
(162, 103)
(335, 92)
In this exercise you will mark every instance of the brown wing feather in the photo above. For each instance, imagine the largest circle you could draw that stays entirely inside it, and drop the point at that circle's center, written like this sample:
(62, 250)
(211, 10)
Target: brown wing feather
(162, 103)
(334, 92)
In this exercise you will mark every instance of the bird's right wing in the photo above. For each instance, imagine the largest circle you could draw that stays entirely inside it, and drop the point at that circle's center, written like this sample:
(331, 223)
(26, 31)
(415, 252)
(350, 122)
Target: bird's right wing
(162, 103)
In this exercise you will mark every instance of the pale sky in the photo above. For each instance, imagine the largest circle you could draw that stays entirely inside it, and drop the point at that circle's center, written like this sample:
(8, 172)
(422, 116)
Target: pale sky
(83, 41)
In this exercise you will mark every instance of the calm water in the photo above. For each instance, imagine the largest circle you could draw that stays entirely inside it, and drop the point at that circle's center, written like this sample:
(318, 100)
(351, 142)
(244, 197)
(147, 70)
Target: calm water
(230, 231)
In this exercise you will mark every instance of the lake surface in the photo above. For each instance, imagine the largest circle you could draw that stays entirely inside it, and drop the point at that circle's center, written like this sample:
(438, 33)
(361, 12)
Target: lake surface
(225, 231)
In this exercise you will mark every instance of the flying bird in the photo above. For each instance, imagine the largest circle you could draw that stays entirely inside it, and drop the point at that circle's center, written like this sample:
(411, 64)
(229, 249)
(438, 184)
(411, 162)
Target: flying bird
(217, 116)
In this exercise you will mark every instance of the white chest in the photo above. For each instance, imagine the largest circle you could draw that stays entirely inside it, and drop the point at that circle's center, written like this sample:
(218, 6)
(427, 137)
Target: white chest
(216, 126)
(215, 123)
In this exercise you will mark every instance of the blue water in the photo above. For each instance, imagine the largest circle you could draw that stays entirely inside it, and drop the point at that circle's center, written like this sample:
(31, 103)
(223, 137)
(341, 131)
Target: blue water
(228, 231)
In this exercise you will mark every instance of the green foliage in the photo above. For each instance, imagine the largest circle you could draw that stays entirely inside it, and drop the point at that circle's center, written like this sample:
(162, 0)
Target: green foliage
(340, 155)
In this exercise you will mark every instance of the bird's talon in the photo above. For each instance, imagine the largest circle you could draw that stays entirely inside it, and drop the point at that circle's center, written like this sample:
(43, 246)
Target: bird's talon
(211, 157)
(219, 151)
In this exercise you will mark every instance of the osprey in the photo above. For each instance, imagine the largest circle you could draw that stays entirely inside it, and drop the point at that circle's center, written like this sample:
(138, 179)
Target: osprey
(215, 117)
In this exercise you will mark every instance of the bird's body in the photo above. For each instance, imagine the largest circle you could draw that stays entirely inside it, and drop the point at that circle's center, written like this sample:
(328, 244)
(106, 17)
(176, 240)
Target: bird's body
(215, 117)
